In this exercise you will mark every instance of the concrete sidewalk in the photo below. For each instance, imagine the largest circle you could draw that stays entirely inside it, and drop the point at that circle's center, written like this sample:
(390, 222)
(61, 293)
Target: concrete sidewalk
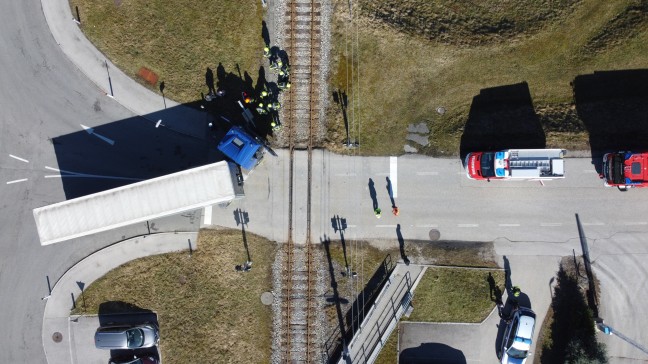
(393, 300)
(57, 341)
(115, 83)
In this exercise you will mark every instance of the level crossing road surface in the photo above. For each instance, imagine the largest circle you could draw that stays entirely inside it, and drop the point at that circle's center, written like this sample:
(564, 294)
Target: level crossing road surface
(44, 96)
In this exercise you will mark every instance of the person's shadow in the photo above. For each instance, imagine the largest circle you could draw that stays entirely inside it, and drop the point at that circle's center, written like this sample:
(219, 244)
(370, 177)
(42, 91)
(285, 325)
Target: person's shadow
(401, 245)
(495, 291)
(390, 192)
(209, 81)
(372, 193)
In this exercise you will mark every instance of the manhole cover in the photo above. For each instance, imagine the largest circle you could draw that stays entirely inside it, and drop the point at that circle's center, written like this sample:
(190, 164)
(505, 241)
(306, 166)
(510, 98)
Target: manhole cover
(434, 234)
(57, 337)
(266, 298)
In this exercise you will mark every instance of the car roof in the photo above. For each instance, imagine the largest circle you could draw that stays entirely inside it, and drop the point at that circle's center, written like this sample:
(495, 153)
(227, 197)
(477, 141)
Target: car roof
(525, 327)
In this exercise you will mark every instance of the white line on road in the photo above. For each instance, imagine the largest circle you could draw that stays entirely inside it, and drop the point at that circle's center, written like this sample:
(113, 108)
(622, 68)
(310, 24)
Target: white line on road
(352, 226)
(16, 181)
(53, 176)
(592, 223)
(20, 159)
(393, 175)
(427, 226)
(468, 225)
(635, 223)
(207, 220)
(509, 225)
(91, 132)
(427, 173)
(545, 224)
(386, 226)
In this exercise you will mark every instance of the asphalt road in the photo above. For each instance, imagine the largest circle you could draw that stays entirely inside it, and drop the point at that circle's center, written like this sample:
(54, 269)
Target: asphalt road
(43, 96)
(44, 100)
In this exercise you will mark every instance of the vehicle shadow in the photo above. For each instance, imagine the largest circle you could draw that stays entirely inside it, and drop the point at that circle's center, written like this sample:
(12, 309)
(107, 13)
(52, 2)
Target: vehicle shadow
(432, 353)
(613, 105)
(502, 117)
(125, 313)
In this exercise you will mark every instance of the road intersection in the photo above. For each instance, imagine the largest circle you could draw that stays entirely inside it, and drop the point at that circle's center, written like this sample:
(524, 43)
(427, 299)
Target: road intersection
(45, 97)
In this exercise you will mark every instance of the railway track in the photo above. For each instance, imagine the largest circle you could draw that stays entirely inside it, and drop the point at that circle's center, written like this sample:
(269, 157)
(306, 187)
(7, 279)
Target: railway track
(301, 115)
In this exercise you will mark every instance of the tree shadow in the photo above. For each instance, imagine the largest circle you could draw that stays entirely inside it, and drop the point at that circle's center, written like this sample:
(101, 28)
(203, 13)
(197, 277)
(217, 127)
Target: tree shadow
(572, 331)
(436, 353)
(502, 117)
(613, 105)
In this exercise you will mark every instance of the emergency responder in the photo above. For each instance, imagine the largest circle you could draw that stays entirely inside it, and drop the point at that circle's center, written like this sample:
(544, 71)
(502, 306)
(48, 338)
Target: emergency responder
(266, 52)
(261, 109)
(283, 85)
(274, 106)
(276, 65)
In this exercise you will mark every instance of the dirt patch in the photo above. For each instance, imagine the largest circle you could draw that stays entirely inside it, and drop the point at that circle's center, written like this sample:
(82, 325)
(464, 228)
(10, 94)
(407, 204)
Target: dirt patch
(466, 22)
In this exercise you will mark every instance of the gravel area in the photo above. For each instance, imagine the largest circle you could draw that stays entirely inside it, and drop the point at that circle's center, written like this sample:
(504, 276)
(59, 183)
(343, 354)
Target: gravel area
(299, 60)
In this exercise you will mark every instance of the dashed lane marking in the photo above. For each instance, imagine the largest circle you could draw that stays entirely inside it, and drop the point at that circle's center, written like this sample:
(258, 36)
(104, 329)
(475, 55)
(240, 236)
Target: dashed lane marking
(18, 158)
(630, 223)
(467, 225)
(386, 226)
(17, 181)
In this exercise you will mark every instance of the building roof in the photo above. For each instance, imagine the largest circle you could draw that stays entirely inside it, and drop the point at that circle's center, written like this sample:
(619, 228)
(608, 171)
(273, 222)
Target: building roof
(154, 198)
(240, 147)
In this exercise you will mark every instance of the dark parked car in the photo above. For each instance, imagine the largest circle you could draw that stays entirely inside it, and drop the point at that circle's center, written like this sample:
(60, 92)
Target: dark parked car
(127, 336)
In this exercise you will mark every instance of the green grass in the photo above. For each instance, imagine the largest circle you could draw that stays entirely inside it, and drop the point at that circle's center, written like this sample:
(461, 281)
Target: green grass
(398, 79)
(454, 295)
(205, 308)
(178, 40)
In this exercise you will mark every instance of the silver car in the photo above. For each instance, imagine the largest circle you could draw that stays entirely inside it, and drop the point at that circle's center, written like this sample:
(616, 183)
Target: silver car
(518, 336)
(127, 336)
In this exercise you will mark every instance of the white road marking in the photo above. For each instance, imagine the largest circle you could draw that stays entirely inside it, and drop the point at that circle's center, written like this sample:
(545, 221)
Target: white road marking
(84, 175)
(592, 223)
(545, 224)
(16, 181)
(386, 226)
(427, 173)
(635, 223)
(20, 159)
(467, 225)
(91, 132)
(207, 220)
(428, 226)
(393, 175)
(352, 226)
(509, 225)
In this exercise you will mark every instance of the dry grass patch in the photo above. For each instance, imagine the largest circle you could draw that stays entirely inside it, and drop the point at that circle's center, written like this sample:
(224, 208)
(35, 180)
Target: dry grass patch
(399, 79)
(205, 308)
(177, 40)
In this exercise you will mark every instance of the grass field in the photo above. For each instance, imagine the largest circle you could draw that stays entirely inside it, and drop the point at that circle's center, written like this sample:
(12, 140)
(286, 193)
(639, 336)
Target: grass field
(397, 72)
(206, 309)
(177, 40)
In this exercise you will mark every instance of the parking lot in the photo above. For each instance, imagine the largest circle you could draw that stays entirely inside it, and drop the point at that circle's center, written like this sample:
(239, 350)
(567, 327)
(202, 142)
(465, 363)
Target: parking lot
(82, 331)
